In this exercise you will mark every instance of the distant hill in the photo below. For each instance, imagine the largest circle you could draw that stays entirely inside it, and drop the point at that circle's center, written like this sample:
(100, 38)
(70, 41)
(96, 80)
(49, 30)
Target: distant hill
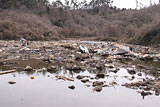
(40, 20)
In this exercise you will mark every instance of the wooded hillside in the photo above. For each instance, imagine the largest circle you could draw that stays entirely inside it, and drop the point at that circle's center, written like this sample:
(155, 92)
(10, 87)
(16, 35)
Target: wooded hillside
(40, 20)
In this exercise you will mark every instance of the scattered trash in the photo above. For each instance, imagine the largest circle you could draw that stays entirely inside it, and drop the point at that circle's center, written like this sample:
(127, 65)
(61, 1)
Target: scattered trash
(32, 77)
(101, 60)
(83, 49)
(28, 68)
(1, 50)
(24, 42)
(117, 50)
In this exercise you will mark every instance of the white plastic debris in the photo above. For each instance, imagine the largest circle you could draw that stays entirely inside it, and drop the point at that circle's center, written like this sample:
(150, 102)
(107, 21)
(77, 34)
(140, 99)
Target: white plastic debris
(83, 49)
(1, 50)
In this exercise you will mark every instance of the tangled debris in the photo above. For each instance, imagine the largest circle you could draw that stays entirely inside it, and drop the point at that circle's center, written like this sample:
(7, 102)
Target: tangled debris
(102, 60)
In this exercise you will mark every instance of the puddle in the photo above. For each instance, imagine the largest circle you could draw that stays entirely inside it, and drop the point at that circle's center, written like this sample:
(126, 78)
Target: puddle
(46, 91)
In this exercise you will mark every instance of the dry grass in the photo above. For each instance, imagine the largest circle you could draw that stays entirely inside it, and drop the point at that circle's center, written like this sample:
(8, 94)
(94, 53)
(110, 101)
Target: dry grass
(116, 25)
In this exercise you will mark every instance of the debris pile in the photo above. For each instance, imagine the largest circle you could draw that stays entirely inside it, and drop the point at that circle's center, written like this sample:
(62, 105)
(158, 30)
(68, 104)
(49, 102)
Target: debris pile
(101, 59)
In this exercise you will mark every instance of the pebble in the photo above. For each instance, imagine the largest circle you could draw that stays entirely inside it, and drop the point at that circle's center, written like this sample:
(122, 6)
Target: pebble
(100, 75)
(12, 82)
(85, 80)
(139, 74)
(71, 87)
(98, 88)
(112, 83)
(97, 83)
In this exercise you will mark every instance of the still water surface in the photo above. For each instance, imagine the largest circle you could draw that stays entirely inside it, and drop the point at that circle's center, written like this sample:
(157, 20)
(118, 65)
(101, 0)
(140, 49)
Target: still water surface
(46, 91)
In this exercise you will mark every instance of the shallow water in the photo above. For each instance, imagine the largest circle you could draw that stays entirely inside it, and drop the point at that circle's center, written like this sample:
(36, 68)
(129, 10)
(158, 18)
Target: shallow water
(46, 91)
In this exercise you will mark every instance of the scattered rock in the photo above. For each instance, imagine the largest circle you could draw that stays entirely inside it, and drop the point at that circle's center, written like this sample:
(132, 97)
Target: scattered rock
(66, 56)
(79, 77)
(85, 56)
(52, 68)
(113, 70)
(97, 83)
(79, 59)
(67, 47)
(46, 60)
(71, 87)
(82, 76)
(139, 74)
(75, 69)
(135, 84)
(157, 92)
(12, 82)
(92, 78)
(85, 80)
(87, 85)
(146, 57)
(100, 75)
(99, 67)
(97, 88)
(131, 71)
(105, 85)
(112, 83)
(132, 77)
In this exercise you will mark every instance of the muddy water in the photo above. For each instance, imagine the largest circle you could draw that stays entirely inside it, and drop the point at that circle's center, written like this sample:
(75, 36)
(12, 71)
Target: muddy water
(46, 91)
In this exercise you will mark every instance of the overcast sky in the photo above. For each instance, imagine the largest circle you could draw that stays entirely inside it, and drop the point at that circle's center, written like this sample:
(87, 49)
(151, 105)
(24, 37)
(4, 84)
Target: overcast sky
(127, 3)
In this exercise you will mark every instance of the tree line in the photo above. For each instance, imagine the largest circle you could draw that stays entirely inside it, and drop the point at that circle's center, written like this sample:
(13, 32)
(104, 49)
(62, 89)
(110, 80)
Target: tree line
(68, 4)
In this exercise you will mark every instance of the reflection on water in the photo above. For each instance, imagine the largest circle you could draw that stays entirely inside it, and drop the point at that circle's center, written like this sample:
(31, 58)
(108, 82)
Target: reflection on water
(46, 91)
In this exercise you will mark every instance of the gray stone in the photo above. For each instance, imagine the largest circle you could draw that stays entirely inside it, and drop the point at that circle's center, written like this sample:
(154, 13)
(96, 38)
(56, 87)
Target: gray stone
(98, 88)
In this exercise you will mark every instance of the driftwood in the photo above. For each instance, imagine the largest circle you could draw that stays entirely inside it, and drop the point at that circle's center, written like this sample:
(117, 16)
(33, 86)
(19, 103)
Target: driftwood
(7, 72)
(64, 78)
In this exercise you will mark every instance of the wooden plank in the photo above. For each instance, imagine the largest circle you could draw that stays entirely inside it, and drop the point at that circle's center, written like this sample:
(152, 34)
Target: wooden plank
(7, 72)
